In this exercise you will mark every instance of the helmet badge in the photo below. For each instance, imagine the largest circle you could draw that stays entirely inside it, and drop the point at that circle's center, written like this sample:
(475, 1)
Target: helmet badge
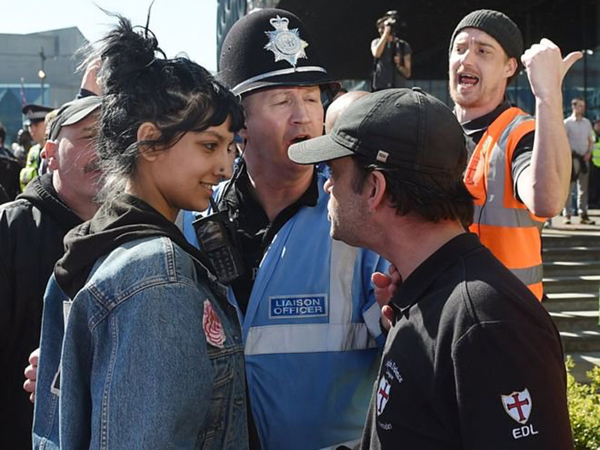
(284, 43)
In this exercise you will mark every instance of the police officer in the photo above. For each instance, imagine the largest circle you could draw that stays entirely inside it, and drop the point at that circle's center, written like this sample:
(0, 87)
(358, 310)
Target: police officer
(594, 200)
(36, 116)
(310, 320)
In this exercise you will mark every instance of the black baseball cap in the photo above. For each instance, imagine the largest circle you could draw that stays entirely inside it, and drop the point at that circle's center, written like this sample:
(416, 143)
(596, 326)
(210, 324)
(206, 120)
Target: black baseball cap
(269, 48)
(72, 112)
(405, 128)
(36, 113)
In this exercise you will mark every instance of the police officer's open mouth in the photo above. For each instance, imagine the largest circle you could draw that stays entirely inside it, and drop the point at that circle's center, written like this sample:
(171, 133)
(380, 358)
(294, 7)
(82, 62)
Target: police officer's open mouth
(468, 79)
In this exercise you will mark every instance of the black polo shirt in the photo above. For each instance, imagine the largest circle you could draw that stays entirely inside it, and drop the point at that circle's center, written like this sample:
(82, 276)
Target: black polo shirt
(474, 130)
(255, 231)
(473, 361)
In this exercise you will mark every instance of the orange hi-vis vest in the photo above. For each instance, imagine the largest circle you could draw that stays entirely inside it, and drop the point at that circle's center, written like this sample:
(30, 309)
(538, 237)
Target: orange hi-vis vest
(503, 223)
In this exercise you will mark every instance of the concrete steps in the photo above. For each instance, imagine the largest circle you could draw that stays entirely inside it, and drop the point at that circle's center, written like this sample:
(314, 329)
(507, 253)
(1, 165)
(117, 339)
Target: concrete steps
(571, 255)
(558, 267)
(571, 301)
(588, 284)
(575, 320)
(584, 361)
(580, 341)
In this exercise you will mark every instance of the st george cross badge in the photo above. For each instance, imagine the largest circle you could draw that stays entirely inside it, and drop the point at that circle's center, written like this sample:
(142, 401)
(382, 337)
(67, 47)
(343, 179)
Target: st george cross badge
(285, 44)
(383, 394)
(518, 405)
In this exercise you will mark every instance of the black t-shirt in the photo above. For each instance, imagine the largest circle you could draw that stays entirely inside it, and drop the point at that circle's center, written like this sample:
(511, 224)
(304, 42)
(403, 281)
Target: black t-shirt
(474, 130)
(254, 230)
(473, 361)
(386, 74)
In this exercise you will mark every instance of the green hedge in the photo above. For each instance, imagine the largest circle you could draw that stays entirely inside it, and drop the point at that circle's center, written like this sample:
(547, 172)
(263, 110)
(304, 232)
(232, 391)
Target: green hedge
(584, 409)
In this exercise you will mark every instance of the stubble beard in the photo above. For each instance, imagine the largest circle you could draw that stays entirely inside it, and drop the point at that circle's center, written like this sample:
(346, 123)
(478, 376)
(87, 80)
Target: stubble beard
(346, 230)
(464, 101)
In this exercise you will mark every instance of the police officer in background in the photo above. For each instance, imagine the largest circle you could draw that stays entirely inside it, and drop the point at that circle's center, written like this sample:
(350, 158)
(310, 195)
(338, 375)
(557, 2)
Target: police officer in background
(594, 198)
(36, 117)
(309, 317)
(392, 55)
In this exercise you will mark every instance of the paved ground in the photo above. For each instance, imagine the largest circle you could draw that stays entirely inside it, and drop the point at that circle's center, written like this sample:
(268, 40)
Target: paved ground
(558, 224)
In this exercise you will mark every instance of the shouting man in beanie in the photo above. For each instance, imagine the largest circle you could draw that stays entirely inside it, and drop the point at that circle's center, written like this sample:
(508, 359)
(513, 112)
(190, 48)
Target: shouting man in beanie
(519, 169)
(473, 361)
(309, 317)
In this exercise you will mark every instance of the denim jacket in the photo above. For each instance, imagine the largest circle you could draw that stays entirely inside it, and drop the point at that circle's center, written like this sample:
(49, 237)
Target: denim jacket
(149, 358)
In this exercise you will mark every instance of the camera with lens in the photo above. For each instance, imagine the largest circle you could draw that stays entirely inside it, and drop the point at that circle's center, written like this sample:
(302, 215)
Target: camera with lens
(393, 19)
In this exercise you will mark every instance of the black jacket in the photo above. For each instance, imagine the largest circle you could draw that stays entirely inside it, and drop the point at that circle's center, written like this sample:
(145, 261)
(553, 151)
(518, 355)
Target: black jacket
(473, 361)
(32, 229)
(9, 174)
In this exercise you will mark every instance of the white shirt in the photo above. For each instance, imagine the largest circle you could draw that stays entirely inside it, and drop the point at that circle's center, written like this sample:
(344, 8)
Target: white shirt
(579, 132)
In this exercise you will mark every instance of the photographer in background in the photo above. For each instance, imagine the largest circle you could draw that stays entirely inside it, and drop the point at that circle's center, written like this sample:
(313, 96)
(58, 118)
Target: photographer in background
(392, 56)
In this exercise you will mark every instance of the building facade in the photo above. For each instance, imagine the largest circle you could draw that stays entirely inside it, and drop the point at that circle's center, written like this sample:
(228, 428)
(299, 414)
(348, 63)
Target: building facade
(37, 68)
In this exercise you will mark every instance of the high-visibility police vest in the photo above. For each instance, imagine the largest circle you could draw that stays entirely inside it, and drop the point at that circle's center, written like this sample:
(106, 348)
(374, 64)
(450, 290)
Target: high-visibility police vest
(30, 171)
(503, 224)
(596, 153)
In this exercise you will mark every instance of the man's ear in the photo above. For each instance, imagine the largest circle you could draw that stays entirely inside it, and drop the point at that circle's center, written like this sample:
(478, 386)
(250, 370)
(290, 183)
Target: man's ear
(51, 152)
(375, 186)
(511, 67)
(243, 133)
(147, 131)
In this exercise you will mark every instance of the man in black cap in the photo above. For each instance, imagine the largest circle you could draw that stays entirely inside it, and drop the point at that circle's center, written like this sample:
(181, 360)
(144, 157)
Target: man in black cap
(32, 229)
(36, 116)
(519, 169)
(310, 320)
(473, 361)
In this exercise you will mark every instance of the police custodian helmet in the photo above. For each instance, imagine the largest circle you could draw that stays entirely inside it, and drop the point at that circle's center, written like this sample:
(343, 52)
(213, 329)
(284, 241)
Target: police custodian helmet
(268, 48)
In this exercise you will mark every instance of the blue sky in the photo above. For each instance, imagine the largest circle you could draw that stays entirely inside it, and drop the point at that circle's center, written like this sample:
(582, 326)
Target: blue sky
(180, 25)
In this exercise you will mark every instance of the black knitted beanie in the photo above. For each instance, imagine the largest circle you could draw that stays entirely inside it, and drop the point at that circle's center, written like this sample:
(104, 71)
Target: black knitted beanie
(497, 25)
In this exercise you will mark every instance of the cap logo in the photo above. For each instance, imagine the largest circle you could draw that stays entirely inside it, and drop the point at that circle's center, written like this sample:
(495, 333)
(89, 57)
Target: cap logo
(382, 156)
(284, 43)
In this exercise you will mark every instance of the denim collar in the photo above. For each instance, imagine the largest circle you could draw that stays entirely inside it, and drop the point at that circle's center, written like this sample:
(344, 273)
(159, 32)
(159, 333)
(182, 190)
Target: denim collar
(126, 218)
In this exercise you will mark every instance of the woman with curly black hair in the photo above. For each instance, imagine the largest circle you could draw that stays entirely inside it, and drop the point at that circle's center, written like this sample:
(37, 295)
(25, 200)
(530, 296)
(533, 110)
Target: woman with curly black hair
(149, 353)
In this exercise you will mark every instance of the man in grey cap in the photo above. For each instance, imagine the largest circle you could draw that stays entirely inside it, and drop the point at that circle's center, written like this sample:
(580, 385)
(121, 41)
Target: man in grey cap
(309, 317)
(519, 168)
(31, 241)
(473, 361)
